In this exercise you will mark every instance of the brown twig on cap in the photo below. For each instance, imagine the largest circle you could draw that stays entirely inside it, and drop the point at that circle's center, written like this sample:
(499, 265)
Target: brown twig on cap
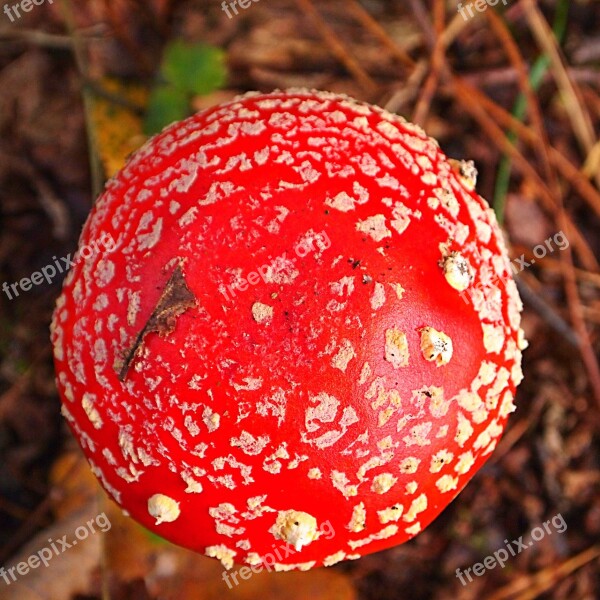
(174, 301)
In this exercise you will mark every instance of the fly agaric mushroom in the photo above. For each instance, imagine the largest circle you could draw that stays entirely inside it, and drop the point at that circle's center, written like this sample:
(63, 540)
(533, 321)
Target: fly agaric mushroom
(307, 338)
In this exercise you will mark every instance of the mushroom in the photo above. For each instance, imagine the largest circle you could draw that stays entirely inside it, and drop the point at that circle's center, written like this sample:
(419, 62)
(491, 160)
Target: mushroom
(277, 359)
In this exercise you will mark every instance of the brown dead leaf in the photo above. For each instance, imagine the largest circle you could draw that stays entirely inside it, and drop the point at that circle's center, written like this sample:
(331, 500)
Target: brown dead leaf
(174, 573)
(182, 575)
(68, 572)
(73, 485)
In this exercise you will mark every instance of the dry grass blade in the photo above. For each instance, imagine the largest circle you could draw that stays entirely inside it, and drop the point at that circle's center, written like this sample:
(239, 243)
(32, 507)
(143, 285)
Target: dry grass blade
(532, 293)
(408, 91)
(337, 48)
(437, 61)
(565, 167)
(582, 276)
(592, 164)
(574, 301)
(566, 224)
(44, 39)
(518, 63)
(371, 25)
(499, 138)
(577, 316)
(80, 54)
(505, 119)
(421, 14)
(528, 588)
(576, 111)
(454, 28)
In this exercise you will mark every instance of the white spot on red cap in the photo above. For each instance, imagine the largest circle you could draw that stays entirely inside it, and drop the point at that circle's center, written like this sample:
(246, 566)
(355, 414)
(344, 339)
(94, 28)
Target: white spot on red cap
(390, 514)
(374, 227)
(436, 346)
(297, 528)
(457, 271)
(223, 553)
(439, 460)
(262, 313)
(383, 534)
(446, 483)
(88, 403)
(417, 506)
(383, 483)
(409, 465)
(314, 473)
(343, 356)
(378, 297)
(396, 348)
(467, 172)
(464, 463)
(333, 559)
(419, 435)
(359, 518)
(163, 508)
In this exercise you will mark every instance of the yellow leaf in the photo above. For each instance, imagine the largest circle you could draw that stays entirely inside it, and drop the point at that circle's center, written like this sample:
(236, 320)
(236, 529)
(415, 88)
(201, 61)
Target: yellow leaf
(117, 128)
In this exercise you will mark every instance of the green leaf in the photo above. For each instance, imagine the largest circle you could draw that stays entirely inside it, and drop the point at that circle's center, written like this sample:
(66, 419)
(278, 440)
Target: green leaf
(194, 68)
(166, 104)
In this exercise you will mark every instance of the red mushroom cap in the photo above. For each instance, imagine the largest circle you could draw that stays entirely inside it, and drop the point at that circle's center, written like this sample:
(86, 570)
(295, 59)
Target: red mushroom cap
(306, 340)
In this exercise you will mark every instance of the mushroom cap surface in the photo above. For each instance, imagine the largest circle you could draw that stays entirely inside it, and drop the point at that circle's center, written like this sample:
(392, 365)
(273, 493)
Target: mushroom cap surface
(305, 341)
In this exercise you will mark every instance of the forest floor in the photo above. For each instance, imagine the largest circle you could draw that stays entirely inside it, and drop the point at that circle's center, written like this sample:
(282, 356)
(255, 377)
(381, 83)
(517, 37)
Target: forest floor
(457, 77)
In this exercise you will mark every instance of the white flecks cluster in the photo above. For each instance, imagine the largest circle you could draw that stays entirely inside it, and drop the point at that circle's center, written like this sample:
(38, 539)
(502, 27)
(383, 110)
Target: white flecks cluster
(226, 520)
(341, 483)
(320, 415)
(250, 444)
(387, 400)
(223, 553)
